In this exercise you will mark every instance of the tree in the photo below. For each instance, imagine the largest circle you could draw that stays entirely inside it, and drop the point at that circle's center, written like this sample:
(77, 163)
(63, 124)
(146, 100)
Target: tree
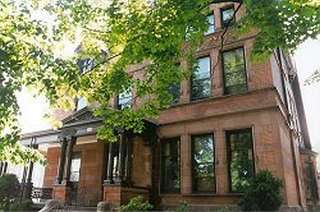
(115, 35)
(315, 77)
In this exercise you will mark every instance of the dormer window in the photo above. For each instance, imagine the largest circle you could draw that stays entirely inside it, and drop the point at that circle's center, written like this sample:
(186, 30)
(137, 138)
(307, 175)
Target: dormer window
(81, 103)
(125, 100)
(211, 24)
(86, 65)
(227, 16)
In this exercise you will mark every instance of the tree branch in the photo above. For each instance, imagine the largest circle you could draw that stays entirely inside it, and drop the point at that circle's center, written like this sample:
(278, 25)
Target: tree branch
(96, 30)
(222, 37)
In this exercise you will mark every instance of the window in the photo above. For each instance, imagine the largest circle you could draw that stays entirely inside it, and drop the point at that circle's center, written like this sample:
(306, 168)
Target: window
(235, 78)
(75, 168)
(201, 79)
(125, 100)
(227, 16)
(203, 164)
(211, 24)
(81, 103)
(174, 90)
(86, 65)
(170, 166)
(240, 157)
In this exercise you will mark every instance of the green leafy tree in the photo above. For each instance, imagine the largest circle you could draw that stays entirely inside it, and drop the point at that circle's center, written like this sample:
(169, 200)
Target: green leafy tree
(115, 35)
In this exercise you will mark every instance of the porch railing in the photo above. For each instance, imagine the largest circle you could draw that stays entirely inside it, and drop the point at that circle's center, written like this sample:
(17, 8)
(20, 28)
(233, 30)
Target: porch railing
(41, 193)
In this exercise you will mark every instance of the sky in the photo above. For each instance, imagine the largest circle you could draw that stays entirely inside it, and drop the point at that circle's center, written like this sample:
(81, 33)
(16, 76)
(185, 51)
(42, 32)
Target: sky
(306, 57)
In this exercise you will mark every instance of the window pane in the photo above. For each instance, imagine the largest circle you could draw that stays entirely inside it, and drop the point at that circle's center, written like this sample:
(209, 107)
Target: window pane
(235, 80)
(203, 69)
(201, 89)
(201, 79)
(203, 163)
(226, 16)
(211, 27)
(240, 152)
(81, 103)
(86, 65)
(175, 92)
(75, 168)
(170, 166)
(125, 100)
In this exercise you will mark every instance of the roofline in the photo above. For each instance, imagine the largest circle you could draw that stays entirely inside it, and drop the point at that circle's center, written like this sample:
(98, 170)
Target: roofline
(39, 133)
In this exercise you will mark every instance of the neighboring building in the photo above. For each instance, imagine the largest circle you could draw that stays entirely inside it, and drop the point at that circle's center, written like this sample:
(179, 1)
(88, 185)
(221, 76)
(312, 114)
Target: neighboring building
(229, 122)
(31, 175)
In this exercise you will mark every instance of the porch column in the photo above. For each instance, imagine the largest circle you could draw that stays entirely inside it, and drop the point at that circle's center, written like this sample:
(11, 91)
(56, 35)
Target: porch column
(121, 158)
(1, 167)
(63, 143)
(30, 170)
(27, 181)
(109, 179)
(128, 149)
(5, 166)
(68, 158)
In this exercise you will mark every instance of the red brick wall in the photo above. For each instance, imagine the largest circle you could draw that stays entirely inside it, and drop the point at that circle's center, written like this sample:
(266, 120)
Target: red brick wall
(91, 173)
(117, 195)
(141, 164)
(268, 149)
(51, 170)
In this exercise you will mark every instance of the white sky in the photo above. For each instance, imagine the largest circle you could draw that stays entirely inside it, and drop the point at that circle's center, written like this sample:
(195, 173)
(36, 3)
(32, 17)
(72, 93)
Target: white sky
(307, 58)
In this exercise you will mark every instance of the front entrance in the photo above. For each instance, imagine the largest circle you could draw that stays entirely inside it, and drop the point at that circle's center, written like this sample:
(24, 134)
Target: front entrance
(75, 168)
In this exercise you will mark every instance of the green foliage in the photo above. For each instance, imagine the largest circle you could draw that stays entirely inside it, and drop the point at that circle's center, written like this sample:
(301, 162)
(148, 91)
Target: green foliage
(263, 193)
(136, 204)
(227, 209)
(183, 207)
(9, 190)
(116, 35)
(24, 205)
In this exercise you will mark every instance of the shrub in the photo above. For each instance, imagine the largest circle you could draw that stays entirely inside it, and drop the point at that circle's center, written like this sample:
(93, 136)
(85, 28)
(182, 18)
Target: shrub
(183, 207)
(263, 193)
(24, 205)
(136, 204)
(9, 190)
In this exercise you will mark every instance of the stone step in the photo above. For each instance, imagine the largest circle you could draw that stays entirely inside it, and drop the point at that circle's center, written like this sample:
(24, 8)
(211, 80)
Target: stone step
(79, 209)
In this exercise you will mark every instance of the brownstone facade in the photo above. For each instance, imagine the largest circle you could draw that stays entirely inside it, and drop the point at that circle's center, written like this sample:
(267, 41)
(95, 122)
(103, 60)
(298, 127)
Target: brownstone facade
(271, 108)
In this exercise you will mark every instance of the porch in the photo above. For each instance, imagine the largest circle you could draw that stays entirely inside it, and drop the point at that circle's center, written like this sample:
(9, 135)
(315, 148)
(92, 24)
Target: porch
(84, 171)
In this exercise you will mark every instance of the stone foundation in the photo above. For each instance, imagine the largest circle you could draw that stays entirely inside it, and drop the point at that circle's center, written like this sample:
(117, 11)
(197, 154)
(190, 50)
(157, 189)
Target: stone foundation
(117, 195)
